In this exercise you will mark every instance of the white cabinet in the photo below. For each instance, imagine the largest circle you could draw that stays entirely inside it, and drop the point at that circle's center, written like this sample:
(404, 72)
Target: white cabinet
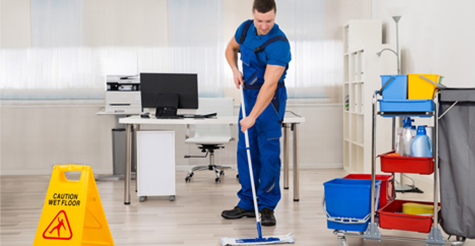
(156, 164)
(362, 70)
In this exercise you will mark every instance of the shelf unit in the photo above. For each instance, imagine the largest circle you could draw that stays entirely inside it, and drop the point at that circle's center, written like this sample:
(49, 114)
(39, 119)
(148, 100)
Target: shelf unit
(362, 70)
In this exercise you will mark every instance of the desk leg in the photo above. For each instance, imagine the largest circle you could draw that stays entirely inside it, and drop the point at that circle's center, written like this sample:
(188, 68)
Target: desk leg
(134, 153)
(296, 163)
(286, 155)
(128, 163)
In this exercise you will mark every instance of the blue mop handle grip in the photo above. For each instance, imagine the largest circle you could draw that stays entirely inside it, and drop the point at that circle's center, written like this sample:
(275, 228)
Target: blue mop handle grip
(259, 229)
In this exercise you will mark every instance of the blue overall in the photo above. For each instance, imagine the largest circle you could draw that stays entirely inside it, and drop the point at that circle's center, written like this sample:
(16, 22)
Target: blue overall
(264, 136)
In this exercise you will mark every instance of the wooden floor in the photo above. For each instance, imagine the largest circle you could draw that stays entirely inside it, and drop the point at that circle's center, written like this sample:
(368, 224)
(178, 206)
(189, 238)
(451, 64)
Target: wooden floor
(192, 219)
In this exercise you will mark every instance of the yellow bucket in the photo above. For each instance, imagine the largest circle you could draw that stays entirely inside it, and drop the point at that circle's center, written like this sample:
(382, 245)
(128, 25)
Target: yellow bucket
(417, 208)
(419, 88)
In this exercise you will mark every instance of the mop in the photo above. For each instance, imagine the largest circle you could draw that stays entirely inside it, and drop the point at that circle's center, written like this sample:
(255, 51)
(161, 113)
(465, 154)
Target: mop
(259, 240)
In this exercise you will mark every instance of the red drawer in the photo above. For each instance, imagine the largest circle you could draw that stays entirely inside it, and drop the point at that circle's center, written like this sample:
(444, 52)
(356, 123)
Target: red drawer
(406, 164)
(391, 217)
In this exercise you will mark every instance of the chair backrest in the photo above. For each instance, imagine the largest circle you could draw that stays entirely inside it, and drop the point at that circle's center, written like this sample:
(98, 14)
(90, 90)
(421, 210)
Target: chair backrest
(221, 106)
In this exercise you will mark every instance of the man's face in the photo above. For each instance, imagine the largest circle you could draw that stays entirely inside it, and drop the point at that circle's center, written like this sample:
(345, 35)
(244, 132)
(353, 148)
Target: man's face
(263, 21)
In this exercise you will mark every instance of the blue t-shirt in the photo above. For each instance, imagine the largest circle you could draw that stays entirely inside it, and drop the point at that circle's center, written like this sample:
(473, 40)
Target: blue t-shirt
(276, 53)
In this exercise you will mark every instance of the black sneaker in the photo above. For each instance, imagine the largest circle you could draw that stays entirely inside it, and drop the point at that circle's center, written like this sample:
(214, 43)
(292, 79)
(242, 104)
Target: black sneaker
(237, 213)
(267, 217)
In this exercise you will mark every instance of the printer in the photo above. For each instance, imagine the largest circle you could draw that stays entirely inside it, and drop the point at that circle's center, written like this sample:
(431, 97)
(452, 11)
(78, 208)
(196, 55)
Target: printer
(123, 94)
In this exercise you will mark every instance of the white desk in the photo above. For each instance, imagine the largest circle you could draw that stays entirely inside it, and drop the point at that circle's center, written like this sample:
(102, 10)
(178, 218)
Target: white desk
(290, 123)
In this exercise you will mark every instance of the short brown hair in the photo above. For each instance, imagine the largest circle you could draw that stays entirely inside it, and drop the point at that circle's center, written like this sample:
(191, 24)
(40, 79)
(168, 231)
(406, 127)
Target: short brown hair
(264, 6)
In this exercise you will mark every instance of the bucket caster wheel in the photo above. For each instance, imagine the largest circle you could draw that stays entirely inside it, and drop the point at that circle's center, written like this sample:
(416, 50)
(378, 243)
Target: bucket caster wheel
(217, 180)
(171, 198)
(142, 198)
(342, 241)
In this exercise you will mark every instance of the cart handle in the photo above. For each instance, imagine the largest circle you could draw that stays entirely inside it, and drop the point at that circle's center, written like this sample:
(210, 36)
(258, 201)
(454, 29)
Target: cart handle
(439, 86)
(380, 92)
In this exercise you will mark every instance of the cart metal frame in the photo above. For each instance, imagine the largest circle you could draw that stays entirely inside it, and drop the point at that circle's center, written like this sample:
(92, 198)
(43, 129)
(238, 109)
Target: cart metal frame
(435, 236)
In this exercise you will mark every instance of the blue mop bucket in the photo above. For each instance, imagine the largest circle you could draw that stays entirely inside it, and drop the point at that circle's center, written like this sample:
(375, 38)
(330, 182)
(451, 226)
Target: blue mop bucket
(347, 203)
(394, 87)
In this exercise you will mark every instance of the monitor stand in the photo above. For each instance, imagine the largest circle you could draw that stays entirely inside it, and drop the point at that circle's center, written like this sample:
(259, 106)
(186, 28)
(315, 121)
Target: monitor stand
(167, 106)
(166, 113)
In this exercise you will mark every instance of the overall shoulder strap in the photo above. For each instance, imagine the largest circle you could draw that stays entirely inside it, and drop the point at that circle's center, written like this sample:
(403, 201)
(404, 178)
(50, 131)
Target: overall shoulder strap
(244, 31)
(270, 41)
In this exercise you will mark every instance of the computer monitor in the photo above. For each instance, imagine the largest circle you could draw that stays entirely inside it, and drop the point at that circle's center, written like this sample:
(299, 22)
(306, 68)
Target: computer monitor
(167, 92)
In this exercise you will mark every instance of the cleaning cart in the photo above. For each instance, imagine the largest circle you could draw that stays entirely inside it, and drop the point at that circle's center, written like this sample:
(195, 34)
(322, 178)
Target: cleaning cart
(391, 216)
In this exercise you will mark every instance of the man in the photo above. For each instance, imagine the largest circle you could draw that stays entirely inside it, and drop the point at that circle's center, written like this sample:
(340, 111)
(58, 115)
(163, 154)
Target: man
(265, 55)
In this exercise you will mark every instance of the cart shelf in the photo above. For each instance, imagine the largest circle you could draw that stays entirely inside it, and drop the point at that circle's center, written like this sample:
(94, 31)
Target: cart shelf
(406, 164)
(391, 217)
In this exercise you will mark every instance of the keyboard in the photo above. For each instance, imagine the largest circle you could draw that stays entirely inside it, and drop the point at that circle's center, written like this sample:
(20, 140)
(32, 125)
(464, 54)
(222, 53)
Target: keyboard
(198, 116)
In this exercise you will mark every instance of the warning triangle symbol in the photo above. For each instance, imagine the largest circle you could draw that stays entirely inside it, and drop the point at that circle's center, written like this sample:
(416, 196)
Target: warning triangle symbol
(59, 228)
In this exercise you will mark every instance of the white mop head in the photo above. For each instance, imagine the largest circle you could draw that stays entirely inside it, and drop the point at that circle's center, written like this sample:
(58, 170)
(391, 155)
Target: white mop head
(227, 241)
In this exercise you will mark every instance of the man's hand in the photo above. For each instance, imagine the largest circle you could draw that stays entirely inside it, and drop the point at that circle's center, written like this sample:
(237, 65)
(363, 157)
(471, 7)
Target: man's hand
(247, 123)
(238, 78)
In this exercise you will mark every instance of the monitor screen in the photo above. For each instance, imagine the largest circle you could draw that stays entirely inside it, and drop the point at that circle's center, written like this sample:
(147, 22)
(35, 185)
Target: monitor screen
(169, 90)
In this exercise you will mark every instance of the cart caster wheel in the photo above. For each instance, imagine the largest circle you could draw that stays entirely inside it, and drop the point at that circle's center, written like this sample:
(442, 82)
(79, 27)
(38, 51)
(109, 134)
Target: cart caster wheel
(171, 198)
(221, 173)
(342, 241)
(217, 180)
(187, 179)
(142, 198)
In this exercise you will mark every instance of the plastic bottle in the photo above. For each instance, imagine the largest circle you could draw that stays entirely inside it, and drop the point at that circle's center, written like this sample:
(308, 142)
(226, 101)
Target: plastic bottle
(407, 136)
(399, 143)
(421, 145)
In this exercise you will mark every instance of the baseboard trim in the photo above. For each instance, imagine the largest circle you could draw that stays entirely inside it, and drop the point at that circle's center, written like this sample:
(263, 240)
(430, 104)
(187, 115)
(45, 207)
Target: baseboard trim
(302, 166)
(44, 172)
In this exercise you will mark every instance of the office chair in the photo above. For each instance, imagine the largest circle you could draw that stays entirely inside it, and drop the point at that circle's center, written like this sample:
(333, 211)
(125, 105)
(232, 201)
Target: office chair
(211, 137)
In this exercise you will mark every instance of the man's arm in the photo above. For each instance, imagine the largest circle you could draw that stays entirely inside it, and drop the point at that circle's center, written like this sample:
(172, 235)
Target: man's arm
(266, 93)
(231, 54)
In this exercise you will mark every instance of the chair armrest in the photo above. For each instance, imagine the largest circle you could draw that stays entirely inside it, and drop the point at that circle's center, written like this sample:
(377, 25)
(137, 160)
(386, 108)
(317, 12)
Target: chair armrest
(187, 134)
(232, 132)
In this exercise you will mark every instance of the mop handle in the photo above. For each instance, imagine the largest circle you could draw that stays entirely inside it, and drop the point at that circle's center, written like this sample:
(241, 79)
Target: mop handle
(246, 136)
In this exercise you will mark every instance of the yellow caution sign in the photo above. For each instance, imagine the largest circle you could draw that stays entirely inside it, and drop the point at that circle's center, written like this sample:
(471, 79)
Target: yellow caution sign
(72, 213)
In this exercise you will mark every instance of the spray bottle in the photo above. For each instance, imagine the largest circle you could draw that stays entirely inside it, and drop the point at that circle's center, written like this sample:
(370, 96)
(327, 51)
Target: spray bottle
(407, 136)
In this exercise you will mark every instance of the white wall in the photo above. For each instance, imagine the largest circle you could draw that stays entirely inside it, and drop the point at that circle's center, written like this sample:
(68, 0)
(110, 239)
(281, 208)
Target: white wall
(435, 36)
(34, 137)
